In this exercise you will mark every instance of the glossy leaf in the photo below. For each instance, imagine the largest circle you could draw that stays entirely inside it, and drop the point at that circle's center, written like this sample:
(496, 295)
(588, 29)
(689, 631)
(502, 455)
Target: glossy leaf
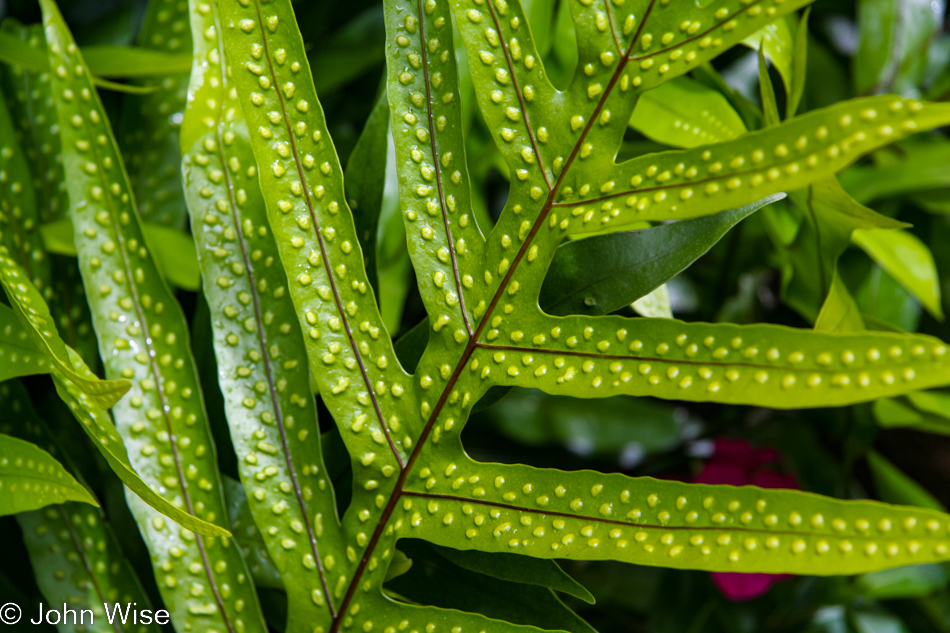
(918, 170)
(650, 522)
(831, 217)
(410, 477)
(602, 274)
(767, 93)
(34, 314)
(927, 411)
(149, 131)
(30, 478)
(249, 538)
(796, 88)
(31, 106)
(174, 250)
(685, 113)
(134, 61)
(776, 42)
(260, 351)
(908, 260)
(19, 356)
(75, 556)
(364, 185)
(175, 256)
(102, 432)
(104, 61)
(839, 312)
(162, 417)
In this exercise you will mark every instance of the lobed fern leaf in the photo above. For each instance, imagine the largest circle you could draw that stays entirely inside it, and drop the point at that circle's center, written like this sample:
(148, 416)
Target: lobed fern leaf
(286, 279)
(411, 476)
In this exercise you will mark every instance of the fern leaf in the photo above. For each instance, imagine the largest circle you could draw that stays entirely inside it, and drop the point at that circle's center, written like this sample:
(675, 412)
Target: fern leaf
(410, 474)
(143, 336)
(31, 478)
(592, 516)
(262, 361)
(151, 121)
(30, 102)
(764, 365)
(18, 354)
(34, 314)
(74, 554)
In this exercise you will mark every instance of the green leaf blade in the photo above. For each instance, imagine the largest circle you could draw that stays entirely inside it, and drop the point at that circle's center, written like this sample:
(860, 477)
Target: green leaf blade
(36, 319)
(72, 549)
(162, 417)
(592, 516)
(18, 354)
(150, 123)
(260, 351)
(639, 262)
(765, 365)
(686, 113)
(30, 478)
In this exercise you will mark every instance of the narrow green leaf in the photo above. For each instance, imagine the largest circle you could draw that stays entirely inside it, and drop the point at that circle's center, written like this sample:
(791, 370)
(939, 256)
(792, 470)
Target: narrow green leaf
(175, 255)
(685, 113)
(99, 427)
(789, 156)
(117, 62)
(436, 577)
(530, 571)
(134, 61)
(553, 514)
(34, 314)
(30, 478)
(839, 313)
(927, 411)
(365, 181)
(766, 365)
(18, 354)
(601, 274)
(58, 237)
(775, 41)
(148, 133)
(799, 66)
(908, 260)
(143, 336)
(894, 486)
(248, 537)
(174, 250)
(767, 93)
(831, 217)
(259, 347)
(918, 170)
(30, 101)
(73, 552)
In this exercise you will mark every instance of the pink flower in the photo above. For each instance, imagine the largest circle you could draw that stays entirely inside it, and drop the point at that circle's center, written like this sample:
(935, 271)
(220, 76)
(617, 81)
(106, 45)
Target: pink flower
(738, 463)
